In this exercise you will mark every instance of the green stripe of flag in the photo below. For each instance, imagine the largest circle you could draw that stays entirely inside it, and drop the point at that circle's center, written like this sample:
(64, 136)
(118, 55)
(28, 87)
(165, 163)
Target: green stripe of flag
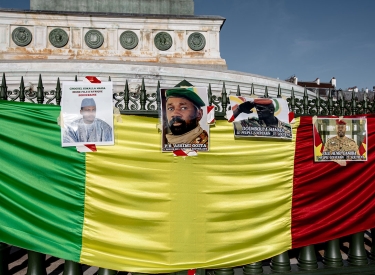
(42, 186)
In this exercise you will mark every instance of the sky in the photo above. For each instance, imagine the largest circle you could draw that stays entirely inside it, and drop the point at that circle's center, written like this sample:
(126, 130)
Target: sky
(281, 38)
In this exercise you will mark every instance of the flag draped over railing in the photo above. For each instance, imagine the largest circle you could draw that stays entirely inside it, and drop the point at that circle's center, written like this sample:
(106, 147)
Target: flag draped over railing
(131, 207)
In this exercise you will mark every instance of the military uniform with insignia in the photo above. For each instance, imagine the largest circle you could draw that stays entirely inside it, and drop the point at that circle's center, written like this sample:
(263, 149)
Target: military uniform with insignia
(341, 145)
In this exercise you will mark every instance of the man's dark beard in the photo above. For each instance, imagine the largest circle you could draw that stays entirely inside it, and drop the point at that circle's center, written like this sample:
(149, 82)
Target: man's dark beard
(184, 127)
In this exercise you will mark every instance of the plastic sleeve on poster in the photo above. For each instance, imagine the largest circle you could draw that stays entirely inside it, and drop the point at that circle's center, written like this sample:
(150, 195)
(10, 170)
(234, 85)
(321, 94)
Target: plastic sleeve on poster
(314, 118)
(117, 114)
(60, 120)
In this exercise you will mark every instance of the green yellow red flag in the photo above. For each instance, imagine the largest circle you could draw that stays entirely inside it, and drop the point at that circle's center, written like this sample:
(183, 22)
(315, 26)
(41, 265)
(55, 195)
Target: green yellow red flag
(131, 207)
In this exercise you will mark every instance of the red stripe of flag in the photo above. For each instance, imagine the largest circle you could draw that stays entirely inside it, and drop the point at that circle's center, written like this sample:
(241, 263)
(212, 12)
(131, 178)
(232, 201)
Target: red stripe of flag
(330, 201)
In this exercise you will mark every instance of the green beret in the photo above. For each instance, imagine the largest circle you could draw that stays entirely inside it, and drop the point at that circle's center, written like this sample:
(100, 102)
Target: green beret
(185, 93)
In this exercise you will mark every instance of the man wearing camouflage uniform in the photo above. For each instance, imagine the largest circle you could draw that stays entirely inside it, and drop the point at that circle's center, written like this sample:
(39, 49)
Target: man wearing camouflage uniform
(341, 144)
(265, 125)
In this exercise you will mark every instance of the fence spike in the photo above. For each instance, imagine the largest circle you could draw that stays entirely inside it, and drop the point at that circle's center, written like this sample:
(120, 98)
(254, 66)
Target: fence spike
(365, 103)
(40, 91)
(158, 99)
(238, 91)
(109, 78)
(3, 89)
(209, 93)
(224, 98)
(75, 78)
(330, 103)
(279, 91)
(317, 103)
(142, 98)
(126, 95)
(292, 101)
(58, 92)
(22, 90)
(342, 102)
(305, 102)
(252, 89)
(266, 92)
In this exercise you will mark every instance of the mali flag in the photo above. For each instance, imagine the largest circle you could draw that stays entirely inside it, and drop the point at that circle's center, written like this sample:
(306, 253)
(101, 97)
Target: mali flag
(131, 207)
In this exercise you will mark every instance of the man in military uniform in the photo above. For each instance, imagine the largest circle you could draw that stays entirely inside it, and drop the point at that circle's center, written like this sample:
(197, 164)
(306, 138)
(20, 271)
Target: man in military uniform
(340, 146)
(265, 125)
(184, 111)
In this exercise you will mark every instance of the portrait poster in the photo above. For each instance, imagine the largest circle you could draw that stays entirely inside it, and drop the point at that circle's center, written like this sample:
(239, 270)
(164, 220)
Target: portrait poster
(87, 114)
(337, 139)
(184, 119)
(260, 117)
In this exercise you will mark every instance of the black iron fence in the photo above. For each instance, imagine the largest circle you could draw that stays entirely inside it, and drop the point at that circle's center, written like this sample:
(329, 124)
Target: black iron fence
(337, 102)
(353, 254)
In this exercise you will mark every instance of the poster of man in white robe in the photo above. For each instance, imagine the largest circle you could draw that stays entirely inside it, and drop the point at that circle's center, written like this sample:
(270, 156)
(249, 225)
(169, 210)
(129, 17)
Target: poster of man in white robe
(87, 114)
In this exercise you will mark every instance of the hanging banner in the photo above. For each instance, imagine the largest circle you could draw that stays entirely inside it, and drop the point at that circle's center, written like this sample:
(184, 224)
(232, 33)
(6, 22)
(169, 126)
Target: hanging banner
(340, 139)
(184, 119)
(128, 207)
(260, 117)
(87, 114)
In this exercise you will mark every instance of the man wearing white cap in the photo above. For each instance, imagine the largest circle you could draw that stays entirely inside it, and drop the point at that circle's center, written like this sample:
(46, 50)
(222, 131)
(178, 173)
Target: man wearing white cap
(88, 128)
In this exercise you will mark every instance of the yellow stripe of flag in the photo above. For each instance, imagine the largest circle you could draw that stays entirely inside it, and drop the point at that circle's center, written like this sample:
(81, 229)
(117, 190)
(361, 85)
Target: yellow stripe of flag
(150, 212)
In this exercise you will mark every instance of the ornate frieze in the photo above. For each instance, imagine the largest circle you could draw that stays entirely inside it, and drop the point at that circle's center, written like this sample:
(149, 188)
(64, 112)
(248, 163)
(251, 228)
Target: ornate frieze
(192, 40)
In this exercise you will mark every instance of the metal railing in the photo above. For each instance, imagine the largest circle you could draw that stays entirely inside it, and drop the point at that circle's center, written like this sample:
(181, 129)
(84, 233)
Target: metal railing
(143, 103)
(313, 259)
